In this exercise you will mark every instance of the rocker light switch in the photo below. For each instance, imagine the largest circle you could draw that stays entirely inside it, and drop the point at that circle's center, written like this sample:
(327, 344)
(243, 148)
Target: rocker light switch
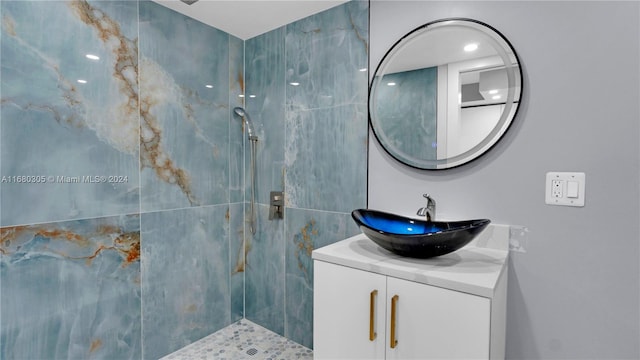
(572, 189)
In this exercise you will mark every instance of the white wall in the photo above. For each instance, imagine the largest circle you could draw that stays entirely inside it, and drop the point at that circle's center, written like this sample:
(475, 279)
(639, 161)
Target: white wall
(575, 292)
(476, 123)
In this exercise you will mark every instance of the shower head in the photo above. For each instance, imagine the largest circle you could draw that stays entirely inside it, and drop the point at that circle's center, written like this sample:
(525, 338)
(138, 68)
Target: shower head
(239, 111)
(247, 120)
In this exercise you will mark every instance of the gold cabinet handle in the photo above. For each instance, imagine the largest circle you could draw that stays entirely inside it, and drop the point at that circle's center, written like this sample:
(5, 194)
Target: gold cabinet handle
(372, 312)
(394, 341)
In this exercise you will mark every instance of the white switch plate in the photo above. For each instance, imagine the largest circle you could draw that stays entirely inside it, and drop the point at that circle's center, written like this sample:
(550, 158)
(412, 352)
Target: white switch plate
(557, 185)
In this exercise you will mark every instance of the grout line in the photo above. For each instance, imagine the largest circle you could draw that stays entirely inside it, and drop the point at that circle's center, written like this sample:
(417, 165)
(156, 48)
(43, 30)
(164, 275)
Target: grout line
(285, 325)
(118, 215)
(244, 192)
(140, 258)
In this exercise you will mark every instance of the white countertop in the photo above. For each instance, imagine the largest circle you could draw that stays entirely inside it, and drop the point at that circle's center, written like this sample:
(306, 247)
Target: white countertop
(473, 269)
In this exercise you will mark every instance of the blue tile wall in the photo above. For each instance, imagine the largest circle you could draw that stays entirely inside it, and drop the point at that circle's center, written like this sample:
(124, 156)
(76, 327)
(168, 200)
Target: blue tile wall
(237, 260)
(310, 83)
(327, 114)
(162, 235)
(326, 137)
(326, 158)
(56, 130)
(185, 277)
(326, 55)
(171, 234)
(71, 290)
(307, 230)
(236, 180)
(265, 96)
(265, 286)
(236, 136)
(184, 124)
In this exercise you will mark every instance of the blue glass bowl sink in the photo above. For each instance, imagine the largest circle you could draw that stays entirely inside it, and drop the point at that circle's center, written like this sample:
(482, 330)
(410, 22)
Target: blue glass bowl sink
(416, 238)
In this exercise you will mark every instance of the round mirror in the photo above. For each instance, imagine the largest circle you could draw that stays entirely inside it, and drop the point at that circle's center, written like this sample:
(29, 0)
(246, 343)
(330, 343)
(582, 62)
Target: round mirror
(445, 93)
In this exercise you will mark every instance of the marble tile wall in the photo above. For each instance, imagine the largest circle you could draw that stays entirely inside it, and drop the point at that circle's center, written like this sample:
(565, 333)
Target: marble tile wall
(308, 230)
(265, 89)
(54, 126)
(310, 81)
(184, 124)
(123, 194)
(122, 180)
(186, 284)
(71, 290)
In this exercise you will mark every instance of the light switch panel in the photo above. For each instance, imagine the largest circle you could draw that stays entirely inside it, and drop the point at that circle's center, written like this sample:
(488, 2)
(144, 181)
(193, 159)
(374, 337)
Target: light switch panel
(572, 189)
(565, 188)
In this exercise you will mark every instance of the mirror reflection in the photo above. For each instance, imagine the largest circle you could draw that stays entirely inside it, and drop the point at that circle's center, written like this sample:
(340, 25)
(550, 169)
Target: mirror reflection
(445, 93)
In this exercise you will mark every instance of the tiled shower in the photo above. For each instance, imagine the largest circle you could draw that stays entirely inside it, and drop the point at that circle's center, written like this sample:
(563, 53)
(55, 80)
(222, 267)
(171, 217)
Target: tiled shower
(124, 173)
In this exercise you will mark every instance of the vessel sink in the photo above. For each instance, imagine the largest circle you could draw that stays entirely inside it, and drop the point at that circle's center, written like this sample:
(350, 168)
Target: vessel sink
(416, 238)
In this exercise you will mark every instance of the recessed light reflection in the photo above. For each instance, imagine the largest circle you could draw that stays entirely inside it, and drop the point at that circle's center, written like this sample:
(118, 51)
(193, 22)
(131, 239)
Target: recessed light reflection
(391, 84)
(209, 86)
(363, 69)
(92, 57)
(241, 95)
(81, 81)
(470, 47)
(496, 97)
(252, 96)
(492, 92)
(294, 83)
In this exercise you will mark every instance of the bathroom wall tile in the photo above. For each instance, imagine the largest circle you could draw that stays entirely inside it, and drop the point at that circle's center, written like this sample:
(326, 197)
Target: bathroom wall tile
(307, 230)
(236, 136)
(71, 290)
(185, 277)
(265, 75)
(265, 269)
(264, 290)
(237, 259)
(327, 55)
(62, 130)
(184, 124)
(326, 119)
(326, 158)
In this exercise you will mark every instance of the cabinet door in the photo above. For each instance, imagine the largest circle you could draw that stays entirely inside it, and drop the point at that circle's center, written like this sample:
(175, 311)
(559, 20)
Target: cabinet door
(342, 316)
(436, 323)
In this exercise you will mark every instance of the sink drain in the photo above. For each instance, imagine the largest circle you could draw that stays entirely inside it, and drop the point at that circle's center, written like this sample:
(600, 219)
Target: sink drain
(252, 351)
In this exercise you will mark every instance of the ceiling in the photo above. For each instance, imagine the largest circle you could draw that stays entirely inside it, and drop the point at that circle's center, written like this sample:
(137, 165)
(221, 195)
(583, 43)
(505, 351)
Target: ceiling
(249, 18)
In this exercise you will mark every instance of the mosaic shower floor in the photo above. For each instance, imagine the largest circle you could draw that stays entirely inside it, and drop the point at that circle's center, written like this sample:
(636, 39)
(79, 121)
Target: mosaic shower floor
(243, 340)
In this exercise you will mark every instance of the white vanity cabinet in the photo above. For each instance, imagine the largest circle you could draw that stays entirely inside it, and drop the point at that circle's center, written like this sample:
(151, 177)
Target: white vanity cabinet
(371, 304)
(349, 308)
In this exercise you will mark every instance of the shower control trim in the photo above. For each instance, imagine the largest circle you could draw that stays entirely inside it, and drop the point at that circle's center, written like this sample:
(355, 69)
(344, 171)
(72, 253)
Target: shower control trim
(276, 205)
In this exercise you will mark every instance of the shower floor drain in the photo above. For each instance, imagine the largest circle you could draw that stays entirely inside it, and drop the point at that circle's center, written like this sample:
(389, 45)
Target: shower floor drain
(252, 351)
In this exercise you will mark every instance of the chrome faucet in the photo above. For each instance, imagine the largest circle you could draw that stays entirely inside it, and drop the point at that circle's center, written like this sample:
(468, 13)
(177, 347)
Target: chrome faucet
(428, 211)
